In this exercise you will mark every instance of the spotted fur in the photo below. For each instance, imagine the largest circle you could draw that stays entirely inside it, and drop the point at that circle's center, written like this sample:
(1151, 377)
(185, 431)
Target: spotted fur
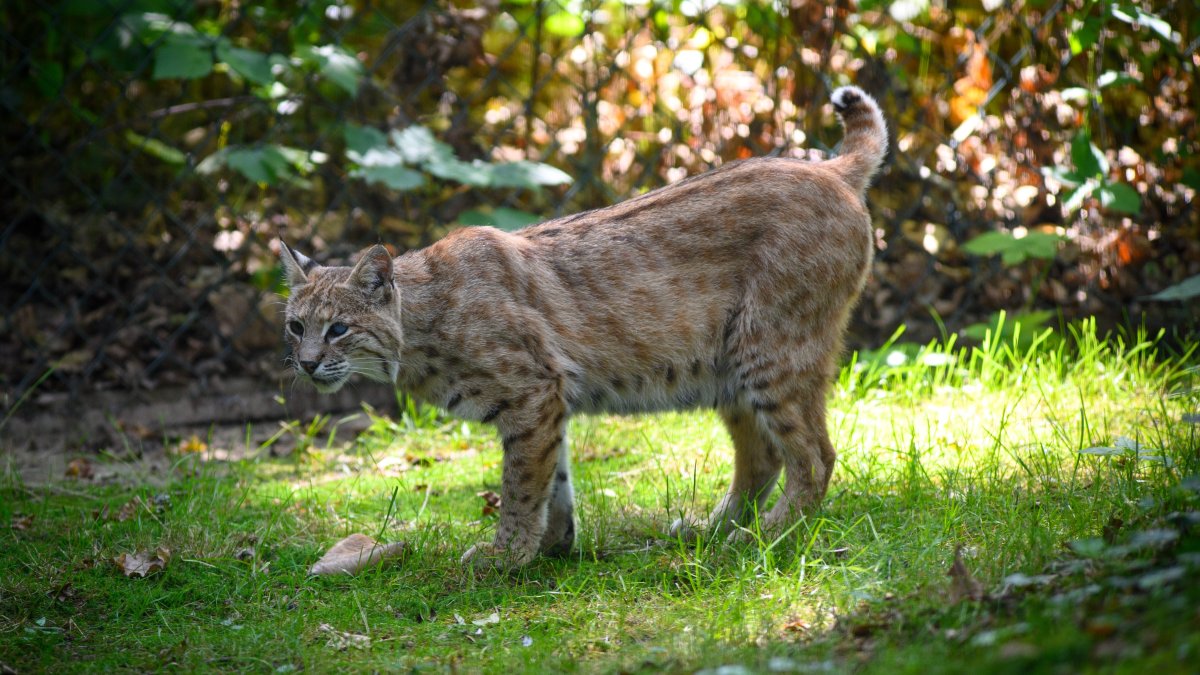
(730, 290)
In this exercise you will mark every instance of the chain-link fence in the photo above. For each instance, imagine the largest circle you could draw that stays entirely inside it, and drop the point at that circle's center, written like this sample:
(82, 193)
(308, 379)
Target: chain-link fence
(154, 149)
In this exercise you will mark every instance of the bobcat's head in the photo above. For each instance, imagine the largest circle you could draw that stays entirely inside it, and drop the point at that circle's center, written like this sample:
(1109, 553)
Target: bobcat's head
(342, 320)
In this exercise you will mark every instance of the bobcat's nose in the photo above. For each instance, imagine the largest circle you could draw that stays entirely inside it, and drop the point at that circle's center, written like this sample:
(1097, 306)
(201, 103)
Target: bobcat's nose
(310, 366)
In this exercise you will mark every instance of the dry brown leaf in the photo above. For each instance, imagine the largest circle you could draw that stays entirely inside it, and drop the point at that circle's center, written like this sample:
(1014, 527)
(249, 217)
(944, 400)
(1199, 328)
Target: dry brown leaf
(796, 626)
(972, 89)
(494, 617)
(355, 553)
(342, 640)
(143, 563)
(129, 509)
(491, 502)
(80, 467)
(64, 593)
(963, 584)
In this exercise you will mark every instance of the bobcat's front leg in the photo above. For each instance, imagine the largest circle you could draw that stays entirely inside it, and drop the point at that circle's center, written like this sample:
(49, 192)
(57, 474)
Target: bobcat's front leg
(533, 436)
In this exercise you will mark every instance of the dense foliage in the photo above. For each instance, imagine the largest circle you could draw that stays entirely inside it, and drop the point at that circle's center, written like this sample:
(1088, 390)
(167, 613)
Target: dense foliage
(1040, 160)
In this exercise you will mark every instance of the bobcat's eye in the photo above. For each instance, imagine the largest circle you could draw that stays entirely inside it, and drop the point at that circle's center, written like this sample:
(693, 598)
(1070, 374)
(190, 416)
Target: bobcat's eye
(297, 328)
(337, 330)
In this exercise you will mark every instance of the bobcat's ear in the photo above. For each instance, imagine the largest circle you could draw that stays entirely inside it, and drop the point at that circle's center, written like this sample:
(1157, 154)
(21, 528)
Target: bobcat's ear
(373, 273)
(296, 265)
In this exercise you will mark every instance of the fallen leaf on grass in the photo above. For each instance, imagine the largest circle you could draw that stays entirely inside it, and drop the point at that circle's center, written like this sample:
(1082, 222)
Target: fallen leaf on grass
(355, 553)
(491, 502)
(342, 640)
(80, 467)
(143, 563)
(494, 617)
(796, 626)
(19, 522)
(64, 593)
(129, 509)
(963, 584)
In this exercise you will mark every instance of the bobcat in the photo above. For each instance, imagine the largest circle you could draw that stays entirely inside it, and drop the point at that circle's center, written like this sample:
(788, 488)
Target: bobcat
(728, 290)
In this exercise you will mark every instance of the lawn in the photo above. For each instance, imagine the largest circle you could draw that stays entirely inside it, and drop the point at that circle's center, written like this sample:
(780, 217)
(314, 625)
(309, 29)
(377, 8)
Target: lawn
(1029, 505)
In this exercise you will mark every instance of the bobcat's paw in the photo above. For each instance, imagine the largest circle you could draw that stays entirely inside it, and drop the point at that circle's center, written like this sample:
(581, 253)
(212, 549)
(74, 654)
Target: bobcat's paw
(741, 536)
(685, 530)
(488, 556)
(559, 539)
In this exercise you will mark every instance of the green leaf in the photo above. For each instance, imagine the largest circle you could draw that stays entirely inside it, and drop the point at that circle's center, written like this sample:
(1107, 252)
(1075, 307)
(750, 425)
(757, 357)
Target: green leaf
(564, 24)
(361, 139)
(1004, 328)
(377, 156)
(476, 173)
(336, 64)
(303, 160)
(417, 145)
(261, 165)
(1013, 250)
(1039, 245)
(1185, 290)
(251, 65)
(394, 176)
(182, 56)
(525, 174)
(1086, 157)
(1076, 196)
(1120, 197)
(1083, 34)
(501, 217)
(368, 147)
(1068, 178)
(266, 164)
(988, 243)
(155, 148)
(1012, 257)
(1135, 15)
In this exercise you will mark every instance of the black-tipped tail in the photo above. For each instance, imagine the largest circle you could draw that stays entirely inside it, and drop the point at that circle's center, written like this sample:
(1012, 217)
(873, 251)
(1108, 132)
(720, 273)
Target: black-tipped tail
(866, 138)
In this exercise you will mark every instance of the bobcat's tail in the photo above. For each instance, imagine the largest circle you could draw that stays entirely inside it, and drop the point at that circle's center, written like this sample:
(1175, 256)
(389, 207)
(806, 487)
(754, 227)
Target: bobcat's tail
(866, 140)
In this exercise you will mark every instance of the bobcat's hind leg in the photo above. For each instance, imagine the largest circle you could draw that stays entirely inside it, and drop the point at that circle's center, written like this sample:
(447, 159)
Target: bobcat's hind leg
(795, 424)
(560, 516)
(756, 470)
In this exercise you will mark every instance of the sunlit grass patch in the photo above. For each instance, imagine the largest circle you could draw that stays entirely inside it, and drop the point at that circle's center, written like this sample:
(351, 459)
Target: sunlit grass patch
(1014, 453)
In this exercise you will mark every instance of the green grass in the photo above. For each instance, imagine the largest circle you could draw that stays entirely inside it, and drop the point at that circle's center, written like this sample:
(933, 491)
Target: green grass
(945, 447)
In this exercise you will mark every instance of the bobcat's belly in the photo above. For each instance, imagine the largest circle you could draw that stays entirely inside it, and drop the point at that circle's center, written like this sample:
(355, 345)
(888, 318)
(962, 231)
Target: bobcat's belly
(667, 387)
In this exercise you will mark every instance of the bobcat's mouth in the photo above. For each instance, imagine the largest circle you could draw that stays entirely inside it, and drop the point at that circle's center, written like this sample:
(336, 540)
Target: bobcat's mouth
(326, 385)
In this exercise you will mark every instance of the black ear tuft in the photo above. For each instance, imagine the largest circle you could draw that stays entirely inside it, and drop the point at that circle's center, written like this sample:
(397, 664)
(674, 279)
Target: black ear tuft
(373, 273)
(296, 265)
